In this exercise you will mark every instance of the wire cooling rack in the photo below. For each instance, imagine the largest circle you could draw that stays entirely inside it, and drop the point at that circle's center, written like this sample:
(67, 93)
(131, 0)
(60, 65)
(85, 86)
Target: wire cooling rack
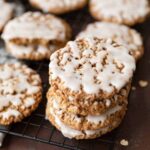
(36, 127)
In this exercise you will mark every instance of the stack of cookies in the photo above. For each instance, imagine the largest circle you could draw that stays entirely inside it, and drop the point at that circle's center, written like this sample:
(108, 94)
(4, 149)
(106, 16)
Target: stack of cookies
(90, 81)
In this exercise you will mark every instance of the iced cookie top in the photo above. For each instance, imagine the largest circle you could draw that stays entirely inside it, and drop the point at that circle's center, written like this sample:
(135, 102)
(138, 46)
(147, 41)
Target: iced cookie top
(92, 65)
(19, 87)
(120, 33)
(35, 25)
(122, 11)
(55, 5)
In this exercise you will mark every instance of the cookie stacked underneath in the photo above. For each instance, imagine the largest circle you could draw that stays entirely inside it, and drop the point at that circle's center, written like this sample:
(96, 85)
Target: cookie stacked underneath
(122, 34)
(90, 81)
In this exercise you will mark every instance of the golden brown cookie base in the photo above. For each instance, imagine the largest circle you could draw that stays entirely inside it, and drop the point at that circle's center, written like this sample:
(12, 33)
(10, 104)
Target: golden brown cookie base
(83, 134)
(138, 54)
(79, 122)
(81, 106)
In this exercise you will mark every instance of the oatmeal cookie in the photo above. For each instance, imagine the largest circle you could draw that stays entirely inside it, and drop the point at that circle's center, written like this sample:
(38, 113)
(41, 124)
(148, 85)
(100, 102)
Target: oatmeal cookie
(20, 92)
(128, 12)
(69, 132)
(91, 68)
(58, 6)
(122, 34)
(35, 36)
(89, 122)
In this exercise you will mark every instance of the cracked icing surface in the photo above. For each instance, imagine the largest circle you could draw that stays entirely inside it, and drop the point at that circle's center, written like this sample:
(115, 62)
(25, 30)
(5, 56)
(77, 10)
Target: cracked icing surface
(120, 33)
(93, 66)
(20, 92)
(122, 11)
(58, 6)
(6, 13)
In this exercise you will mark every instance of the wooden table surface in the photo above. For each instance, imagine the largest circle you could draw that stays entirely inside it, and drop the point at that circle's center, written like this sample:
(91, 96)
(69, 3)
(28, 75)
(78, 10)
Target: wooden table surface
(136, 126)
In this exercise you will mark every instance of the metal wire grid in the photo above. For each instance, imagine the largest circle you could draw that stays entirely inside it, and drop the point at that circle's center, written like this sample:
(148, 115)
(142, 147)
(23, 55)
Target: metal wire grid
(36, 127)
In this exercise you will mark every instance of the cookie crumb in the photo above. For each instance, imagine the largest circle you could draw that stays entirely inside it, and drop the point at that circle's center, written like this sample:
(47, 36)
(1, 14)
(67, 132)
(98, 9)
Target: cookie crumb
(133, 88)
(124, 142)
(143, 83)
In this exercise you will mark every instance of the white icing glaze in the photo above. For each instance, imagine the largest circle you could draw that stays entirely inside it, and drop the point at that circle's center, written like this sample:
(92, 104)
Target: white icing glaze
(70, 132)
(15, 88)
(9, 112)
(92, 78)
(6, 12)
(7, 99)
(121, 9)
(16, 81)
(66, 130)
(103, 117)
(52, 5)
(92, 132)
(120, 33)
(55, 104)
(108, 102)
(33, 25)
(29, 102)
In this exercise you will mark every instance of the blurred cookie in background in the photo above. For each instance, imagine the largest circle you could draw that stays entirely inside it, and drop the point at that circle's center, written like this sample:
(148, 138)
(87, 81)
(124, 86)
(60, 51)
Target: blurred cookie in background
(58, 6)
(19, 8)
(124, 35)
(35, 36)
(128, 12)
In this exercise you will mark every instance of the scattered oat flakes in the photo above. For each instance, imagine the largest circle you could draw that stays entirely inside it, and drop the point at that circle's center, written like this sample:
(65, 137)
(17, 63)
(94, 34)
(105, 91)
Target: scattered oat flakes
(124, 142)
(133, 88)
(143, 83)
